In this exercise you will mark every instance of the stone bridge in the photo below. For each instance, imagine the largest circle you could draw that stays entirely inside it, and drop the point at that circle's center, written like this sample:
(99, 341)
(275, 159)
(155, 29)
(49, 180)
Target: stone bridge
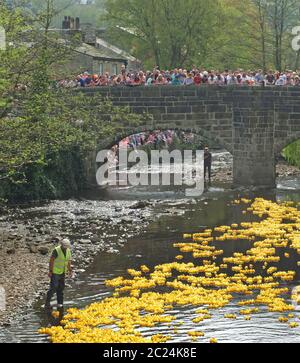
(253, 124)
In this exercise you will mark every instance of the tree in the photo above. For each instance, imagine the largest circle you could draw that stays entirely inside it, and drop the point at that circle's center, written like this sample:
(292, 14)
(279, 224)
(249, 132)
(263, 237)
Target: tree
(175, 31)
(259, 19)
(281, 13)
(219, 34)
(276, 18)
(40, 124)
(87, 11)
(235, 43)
(31, 50)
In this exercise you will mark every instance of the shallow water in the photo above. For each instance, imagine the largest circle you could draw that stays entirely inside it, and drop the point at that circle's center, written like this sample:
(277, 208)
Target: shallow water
(155, 247)
(175, 215)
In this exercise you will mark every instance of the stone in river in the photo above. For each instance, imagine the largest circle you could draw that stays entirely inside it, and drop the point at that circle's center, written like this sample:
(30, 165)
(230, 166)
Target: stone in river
(84, 241)
(105, 219)
(43, 250)
(127, 220)
(10, 251)
(112, 251)
(140, 205)
(94, 239)
(33, 249)
(6, 324)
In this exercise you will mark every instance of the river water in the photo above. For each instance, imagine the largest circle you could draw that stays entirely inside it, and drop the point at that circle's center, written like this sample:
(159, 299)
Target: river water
(176, 215)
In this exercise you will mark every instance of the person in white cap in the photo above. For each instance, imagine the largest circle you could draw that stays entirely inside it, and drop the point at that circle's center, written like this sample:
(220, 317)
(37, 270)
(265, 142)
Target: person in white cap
(60, 264)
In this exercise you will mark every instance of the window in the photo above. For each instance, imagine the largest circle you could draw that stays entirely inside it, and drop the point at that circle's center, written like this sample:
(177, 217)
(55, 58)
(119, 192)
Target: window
(115, 69)
(101, 68)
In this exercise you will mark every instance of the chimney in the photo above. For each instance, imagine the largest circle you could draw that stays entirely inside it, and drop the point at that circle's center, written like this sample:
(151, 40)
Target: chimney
(65, 23)
(89, 34)
(77, 23)
(72, 23)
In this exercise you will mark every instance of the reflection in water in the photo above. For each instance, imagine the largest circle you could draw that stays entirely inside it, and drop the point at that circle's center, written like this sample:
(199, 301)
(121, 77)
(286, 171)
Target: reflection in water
(288, 184)
(155, 247)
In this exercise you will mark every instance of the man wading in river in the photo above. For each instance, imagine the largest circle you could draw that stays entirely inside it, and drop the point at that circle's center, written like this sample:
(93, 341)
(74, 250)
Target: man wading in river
(60, 263)
(207, 163)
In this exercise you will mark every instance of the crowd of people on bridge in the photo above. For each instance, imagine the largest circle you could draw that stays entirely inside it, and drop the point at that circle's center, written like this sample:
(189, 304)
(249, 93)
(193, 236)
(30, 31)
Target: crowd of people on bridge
(156, 139)
(183, 77)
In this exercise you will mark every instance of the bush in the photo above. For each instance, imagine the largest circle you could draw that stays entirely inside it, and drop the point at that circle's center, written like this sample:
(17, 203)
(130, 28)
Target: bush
(292, 153)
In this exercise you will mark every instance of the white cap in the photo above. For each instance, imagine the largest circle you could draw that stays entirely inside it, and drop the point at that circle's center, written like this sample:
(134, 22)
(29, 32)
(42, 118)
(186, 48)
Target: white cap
(66, 243)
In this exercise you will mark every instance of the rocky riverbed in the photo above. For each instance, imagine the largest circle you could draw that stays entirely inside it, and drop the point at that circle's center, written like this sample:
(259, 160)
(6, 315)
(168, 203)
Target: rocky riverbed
(28, 235)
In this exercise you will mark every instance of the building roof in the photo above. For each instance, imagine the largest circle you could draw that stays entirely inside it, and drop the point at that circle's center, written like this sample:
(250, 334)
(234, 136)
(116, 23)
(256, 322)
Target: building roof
(115, 50)
(95, 46)
(102, 54)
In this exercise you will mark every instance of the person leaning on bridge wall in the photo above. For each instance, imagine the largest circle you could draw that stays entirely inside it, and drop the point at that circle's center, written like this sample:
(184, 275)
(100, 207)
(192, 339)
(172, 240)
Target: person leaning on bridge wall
(183, 77)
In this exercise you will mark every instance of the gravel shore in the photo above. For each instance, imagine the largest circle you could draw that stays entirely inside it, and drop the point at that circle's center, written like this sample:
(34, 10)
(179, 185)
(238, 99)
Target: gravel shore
(28, 235)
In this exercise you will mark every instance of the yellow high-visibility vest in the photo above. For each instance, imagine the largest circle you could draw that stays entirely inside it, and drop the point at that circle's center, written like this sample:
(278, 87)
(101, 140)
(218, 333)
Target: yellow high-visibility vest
(62, 261)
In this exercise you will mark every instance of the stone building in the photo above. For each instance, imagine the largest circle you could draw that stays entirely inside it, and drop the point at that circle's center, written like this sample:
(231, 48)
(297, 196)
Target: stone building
(94, 54)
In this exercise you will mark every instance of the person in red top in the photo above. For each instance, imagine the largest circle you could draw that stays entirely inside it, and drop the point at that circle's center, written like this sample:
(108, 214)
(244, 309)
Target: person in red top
(197, 79)
(136, 81)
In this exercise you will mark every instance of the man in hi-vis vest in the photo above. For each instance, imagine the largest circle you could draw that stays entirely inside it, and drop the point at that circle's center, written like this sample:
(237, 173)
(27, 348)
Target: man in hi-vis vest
(60, 264)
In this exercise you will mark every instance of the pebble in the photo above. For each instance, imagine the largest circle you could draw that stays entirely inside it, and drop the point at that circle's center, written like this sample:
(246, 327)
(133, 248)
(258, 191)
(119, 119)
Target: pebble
(43, 250)
(11, 251)
(33, 249)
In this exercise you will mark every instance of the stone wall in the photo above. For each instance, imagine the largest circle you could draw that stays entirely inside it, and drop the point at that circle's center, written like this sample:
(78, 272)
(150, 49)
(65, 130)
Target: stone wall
(79, 62)
(254, 124)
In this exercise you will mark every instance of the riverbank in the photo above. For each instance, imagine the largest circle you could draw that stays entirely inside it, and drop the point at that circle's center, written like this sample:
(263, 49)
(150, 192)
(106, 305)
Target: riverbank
(223, 171)
(28, 236)
(155, 247)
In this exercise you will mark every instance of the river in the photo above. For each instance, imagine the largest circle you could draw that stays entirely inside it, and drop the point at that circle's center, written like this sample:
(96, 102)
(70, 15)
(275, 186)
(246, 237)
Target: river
(175, 215)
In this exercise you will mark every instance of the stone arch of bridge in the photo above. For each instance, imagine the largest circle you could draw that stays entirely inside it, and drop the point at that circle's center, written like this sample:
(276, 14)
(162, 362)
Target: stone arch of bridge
(91, 165)
(208, 137)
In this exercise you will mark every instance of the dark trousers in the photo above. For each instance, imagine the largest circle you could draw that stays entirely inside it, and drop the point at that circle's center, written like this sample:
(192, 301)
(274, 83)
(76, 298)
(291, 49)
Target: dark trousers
(207, 167)
(57, 285)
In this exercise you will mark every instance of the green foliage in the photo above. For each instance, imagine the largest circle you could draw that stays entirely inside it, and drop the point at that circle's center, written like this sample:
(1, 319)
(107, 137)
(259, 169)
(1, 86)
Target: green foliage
(45, 132)
(61, 177)
(292, 153)
(41, 152)
(180, 33)
(88, 13)
(213, 34)
(174, 31)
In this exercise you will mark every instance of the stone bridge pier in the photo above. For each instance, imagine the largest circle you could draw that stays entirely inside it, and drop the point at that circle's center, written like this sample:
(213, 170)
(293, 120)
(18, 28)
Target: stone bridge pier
(253, 124)
(253, 148)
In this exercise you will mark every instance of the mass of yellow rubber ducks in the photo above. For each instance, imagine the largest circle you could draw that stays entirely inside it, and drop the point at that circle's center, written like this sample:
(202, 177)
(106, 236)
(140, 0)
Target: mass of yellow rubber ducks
(146, 298)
